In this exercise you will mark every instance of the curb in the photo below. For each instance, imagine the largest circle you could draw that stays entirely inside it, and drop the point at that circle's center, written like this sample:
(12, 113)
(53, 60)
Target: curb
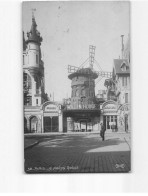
(30, 146)
(127, 143)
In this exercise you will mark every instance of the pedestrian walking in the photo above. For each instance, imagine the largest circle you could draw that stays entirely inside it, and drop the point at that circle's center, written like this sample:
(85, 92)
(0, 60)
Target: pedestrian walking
(102, 132)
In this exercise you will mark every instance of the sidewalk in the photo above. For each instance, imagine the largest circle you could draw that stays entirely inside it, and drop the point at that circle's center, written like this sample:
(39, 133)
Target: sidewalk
(30, 143)
(69, 133)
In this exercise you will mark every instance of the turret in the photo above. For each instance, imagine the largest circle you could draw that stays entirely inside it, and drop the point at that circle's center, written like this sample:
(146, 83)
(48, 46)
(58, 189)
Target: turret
(34, 34)
(33, 46)
(33, 64)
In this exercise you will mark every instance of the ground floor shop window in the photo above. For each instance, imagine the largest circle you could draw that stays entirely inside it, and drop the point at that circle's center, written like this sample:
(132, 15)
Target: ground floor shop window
(110, 122)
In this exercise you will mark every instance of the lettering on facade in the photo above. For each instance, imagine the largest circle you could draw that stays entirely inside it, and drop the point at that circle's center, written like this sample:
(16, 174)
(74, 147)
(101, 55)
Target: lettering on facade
(83, 106)
(109, 108)
(51, 108)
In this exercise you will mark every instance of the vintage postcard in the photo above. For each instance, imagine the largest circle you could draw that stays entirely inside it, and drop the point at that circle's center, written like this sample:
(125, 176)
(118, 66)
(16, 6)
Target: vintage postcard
(76, 86)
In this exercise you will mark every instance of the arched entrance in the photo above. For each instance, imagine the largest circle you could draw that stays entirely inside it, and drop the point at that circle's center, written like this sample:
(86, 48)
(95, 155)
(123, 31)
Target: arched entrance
(33, 124)
(110, 115)
(52, 117)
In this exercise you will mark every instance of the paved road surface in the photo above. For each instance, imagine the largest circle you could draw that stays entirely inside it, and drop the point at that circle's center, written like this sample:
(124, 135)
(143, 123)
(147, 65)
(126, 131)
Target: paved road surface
(83, 153)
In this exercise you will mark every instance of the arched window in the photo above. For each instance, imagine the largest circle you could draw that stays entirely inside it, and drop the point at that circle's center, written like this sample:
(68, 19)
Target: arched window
(34, 124)
(77, 93)
(37, 84)
(73, 93)
(37, 61)
(27, 81)
(83, 92)
(123, 66)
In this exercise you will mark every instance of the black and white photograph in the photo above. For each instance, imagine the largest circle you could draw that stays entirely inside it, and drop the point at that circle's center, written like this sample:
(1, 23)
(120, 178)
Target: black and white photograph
(76, 86)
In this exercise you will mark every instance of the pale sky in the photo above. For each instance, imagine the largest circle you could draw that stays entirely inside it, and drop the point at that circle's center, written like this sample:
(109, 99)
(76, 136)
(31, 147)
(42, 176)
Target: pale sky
(68, 28)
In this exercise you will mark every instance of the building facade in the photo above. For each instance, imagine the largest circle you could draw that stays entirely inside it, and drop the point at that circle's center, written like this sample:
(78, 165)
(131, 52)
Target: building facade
(83, 112)
(119, 91)
(40, 115)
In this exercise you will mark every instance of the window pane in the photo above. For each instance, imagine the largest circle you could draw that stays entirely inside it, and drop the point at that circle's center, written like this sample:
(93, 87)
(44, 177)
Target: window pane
(122, 81)
(125, 81)
(36, 59)
(126, 97)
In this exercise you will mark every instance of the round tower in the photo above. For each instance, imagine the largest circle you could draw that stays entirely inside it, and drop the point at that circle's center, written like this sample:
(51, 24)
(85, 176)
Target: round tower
(83, 88)
(33, 46)
(33, 65)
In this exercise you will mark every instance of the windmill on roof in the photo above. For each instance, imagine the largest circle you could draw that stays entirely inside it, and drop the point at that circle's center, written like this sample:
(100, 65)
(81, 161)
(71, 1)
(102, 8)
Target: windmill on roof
(83, 80)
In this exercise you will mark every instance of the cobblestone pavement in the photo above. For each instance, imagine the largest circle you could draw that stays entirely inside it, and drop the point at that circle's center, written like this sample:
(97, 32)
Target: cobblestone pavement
(83, 153)
(29, 142)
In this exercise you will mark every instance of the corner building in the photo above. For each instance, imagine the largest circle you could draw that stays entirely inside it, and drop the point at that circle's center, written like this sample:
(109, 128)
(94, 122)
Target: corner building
(116, 111)
(40, 115)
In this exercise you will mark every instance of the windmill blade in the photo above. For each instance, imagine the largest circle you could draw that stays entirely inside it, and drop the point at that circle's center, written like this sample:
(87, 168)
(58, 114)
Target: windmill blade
(98, 65)
(105, 74)
(91, 60)
(83, 64)
(98, 80)
(72, 69)
(91, 55)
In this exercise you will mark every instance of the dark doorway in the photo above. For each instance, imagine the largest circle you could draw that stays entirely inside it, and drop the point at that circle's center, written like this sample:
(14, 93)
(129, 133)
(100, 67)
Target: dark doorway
(25, 125)
(83, 126)
(51, 124)
(34, 124)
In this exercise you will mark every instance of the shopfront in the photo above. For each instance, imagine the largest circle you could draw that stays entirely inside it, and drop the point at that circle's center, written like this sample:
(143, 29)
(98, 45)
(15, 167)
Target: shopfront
(110, 119)
(85, 120)
(52, 117)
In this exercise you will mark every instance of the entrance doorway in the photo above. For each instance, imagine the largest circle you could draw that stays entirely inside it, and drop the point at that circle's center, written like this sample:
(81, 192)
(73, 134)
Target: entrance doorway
(110, 122)
(51, 124)
(83, 126)
(33, 124)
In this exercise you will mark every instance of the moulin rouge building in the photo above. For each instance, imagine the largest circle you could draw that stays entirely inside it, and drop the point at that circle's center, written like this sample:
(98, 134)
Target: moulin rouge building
(83, 112)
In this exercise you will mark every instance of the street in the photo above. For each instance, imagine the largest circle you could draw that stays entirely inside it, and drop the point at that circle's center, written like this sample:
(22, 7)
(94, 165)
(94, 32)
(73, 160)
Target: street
(78, 153)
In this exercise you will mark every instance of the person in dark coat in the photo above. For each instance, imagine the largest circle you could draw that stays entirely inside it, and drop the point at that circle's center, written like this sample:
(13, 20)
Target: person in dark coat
(102, 132)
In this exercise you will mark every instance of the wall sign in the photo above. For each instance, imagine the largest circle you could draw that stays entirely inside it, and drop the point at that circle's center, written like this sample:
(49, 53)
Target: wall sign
(109, 108)
(51, 108)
